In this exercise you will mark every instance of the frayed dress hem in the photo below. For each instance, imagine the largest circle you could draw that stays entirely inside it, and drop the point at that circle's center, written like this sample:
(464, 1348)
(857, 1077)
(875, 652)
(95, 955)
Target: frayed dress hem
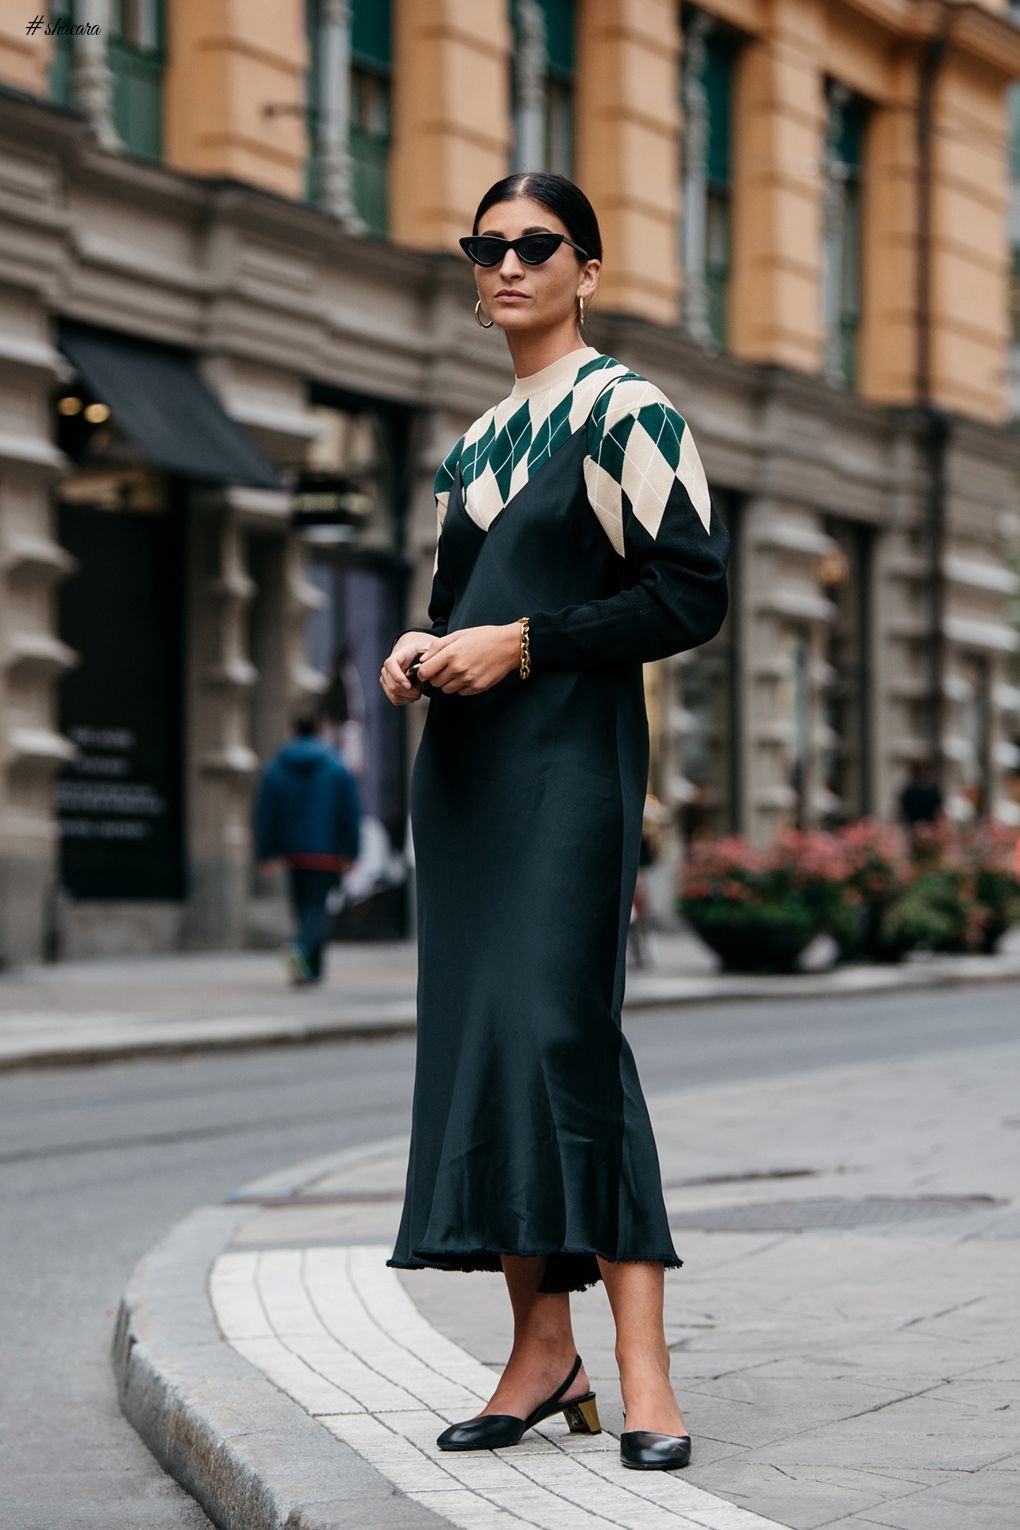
(566, 1269)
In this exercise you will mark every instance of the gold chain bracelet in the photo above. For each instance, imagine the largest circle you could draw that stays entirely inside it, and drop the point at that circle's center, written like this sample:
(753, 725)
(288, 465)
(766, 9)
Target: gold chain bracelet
(525, 648)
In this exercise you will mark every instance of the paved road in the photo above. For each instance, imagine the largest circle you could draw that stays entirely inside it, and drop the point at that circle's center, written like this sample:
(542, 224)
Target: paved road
(95, 1164)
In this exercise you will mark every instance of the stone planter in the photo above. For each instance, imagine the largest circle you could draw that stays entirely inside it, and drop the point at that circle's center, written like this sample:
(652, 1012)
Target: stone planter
(751, 937)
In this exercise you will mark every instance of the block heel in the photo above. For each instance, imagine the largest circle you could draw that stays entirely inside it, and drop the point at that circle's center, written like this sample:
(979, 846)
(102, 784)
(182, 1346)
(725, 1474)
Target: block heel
(583, 1415)
(492, 1431)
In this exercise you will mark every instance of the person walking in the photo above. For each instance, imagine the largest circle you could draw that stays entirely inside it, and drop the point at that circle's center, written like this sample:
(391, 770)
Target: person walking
(920, 801)
(308, 818)
(576, 540)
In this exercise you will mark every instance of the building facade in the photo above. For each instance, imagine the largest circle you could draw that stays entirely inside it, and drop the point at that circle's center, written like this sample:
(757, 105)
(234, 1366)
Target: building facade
(238, 337)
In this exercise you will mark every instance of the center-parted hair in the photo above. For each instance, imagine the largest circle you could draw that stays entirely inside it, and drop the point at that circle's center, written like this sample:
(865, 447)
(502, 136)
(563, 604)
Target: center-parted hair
(560, 195)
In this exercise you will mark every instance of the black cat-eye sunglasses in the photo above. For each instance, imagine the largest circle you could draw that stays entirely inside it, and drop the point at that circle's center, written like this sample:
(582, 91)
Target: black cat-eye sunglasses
(533, 249)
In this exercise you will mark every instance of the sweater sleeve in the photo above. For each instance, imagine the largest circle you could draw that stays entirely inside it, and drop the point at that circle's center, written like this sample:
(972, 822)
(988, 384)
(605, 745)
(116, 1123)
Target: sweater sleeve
(441, 598)
(647, 487)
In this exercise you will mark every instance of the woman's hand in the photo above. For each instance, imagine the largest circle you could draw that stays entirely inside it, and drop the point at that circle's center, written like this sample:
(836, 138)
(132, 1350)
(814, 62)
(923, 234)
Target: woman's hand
(470, 661)
(393, 675)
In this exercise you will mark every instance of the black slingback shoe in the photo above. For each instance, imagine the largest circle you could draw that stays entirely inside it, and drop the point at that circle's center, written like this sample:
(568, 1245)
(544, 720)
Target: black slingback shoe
(491, 1431)
(649, 1452)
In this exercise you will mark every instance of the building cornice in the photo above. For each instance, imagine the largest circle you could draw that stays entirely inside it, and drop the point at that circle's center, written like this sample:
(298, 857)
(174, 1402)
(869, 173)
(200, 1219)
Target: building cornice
(50, 127)
(974, 30)
(992, 39)
(971, 29)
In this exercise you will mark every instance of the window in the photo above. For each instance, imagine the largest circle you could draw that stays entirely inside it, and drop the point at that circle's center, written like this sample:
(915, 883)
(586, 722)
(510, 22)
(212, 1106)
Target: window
(313, 100)
(708, 701)
(349, 117)
(841, 283)
(61, 73)
(369, 133)
(1013, 98)
(137, 61)
(844, 573)
(543, 85)
(1014, 316)
(794, 706)
(974, 730)
(707, 97)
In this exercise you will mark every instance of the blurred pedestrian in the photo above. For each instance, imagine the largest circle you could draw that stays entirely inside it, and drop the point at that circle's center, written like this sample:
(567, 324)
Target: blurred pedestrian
(308, 819)
(921, 798)
(653, 821)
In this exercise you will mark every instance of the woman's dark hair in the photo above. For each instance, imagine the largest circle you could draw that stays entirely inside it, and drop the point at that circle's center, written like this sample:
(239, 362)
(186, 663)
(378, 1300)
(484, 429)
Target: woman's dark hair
(561, 196)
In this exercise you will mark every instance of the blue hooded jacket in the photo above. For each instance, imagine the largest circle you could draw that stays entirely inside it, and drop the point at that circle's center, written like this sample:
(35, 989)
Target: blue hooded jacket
(308, 810)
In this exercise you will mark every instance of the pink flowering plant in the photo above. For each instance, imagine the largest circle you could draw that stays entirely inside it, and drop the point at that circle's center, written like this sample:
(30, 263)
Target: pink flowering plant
(878, 893)
(877, 859)
(965, 889)
(759, 909)
(878, 870)
(991, 854)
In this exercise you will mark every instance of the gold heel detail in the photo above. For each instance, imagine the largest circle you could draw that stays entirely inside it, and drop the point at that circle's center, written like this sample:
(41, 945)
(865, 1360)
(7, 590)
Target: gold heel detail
(583, 1416)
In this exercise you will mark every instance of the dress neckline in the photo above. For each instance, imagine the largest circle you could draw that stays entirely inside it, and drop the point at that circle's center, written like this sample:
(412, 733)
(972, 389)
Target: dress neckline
(562, 370)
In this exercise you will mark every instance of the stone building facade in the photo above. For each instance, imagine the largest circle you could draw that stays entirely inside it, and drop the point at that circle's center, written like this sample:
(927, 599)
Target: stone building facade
(249, 222)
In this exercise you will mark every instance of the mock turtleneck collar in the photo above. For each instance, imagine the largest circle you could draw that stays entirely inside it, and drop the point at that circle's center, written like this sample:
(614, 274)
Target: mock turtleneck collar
(560, 371)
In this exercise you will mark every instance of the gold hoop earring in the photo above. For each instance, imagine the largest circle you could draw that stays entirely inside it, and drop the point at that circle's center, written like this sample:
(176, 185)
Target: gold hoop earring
(580, 310)
(478, 316)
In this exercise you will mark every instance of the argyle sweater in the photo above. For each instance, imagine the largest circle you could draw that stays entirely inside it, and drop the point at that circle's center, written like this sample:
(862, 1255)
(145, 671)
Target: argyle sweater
(646, 487)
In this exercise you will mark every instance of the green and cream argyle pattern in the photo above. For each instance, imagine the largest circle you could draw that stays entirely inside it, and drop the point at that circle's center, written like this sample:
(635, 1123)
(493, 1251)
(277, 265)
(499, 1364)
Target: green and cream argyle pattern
(638, 446)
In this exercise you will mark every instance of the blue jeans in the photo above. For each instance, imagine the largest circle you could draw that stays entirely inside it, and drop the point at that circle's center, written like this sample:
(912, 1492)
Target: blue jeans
(309, 891)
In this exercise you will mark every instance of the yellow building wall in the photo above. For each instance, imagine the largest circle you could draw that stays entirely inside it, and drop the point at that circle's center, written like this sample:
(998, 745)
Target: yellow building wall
(451, 115)
(228, 59)
(887, 339)
(775, 283)
(970, 276)
(627, 127)
(452, 132)
(778, 198)
(24, 57)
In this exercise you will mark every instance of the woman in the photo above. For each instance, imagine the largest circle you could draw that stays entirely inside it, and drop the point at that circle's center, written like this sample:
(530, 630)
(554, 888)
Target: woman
(576, 540)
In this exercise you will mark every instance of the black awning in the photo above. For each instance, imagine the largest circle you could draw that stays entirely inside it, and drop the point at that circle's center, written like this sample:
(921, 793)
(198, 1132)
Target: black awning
(160, 402)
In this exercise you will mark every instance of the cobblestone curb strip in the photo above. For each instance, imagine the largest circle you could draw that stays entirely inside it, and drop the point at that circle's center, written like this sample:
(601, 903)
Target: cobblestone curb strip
(250, 1456)
(333, 1421)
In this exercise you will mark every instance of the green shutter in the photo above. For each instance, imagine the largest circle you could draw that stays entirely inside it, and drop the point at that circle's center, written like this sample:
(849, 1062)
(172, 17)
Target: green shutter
(138, 87)
(61, 72)
(369, 136)
(312, 22)
(1013, 97)
(558, 16)
(850, 139)
(559, 35)
(369, 145)
(718, 80)
(371, 33)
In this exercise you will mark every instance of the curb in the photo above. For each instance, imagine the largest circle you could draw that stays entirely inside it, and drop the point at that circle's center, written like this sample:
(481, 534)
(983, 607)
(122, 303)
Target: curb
(250, 1456)
(163, 1039)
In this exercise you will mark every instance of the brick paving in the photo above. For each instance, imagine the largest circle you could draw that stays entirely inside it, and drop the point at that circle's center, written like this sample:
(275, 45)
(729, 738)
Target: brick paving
(848, 1374)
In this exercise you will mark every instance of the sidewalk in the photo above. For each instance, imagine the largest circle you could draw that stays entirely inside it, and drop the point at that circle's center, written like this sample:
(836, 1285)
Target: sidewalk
(103, 1010)
(843, 1332)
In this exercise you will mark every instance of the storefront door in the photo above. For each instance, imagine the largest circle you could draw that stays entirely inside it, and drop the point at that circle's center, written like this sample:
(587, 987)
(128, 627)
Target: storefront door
(120, 803)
